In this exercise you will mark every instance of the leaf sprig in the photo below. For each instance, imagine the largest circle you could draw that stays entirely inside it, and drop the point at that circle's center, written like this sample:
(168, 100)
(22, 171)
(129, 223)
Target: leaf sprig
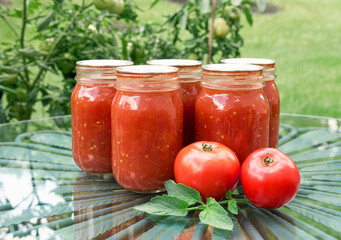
(182, 199)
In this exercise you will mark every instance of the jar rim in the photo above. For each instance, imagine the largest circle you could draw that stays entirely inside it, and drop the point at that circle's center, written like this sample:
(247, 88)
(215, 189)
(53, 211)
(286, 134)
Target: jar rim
(174, 62)
(103, 63)
(263, 61)
(147, 69)
(232, 67)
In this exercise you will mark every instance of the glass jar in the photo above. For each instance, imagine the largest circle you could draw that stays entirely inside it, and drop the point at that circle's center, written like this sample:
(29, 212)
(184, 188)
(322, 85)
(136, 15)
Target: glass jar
(270, 90)
(232, 108)
(189, 78)
(147, 126)
(90, 109)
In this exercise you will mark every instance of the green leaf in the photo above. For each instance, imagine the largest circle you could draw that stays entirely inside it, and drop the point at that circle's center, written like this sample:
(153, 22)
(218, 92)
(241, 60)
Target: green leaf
(45, 22)
(204, 5)
(183, 19)
(232, 206)
(153, 4)
(216, 216)
(12, 69)
(182, 192)
(165, 205)
(248, 15)
(249, 3)
(46, 67)
(229, 194)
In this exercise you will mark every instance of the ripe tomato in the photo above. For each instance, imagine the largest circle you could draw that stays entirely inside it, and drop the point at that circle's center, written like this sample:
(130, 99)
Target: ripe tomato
(209, 167)
(220, 28)
(270, 179)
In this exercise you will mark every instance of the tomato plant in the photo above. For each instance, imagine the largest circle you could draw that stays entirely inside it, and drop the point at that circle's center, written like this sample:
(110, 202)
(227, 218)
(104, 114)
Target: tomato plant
(209, 167)
(46, 32)
(270, 179)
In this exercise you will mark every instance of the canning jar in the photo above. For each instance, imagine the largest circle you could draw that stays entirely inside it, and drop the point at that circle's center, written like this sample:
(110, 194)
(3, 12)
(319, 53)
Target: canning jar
(232, 108)
(147, 126)
(189, 79)
(90, 109)
(270, 90)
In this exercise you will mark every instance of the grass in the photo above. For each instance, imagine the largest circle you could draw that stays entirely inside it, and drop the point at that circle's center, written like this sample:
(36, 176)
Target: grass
(303, 37)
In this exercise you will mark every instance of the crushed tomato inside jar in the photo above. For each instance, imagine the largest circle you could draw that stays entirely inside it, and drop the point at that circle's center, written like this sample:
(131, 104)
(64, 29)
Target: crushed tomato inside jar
(147, 127)
(232, 108)
(90, 113)
(270, 90)
(189, 79)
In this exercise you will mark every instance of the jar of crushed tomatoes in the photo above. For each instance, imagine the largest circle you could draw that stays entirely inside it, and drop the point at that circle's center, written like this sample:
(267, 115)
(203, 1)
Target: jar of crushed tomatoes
(90, 110)
(270, 90)
(147, 126)
(232, 108)
(189, 78)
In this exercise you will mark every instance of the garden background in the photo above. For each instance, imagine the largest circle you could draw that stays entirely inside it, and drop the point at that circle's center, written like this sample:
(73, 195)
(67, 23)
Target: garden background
(303, 36)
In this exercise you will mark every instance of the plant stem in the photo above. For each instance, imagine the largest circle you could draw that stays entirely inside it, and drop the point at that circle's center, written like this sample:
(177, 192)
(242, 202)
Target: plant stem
(210, 36)
(192, 208)
(22, 39)
(9, 25)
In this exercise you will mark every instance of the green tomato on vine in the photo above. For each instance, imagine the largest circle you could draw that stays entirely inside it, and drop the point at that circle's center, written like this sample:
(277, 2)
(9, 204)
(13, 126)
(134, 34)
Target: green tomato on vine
(117, 7)
(193, 56)
(220, 28)
(232, 13)
(102, 4)
(113, 6)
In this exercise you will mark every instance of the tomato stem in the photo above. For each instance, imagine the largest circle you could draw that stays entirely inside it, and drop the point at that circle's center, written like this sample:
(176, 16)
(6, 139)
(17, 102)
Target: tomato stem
(206, 147)
(268, 161)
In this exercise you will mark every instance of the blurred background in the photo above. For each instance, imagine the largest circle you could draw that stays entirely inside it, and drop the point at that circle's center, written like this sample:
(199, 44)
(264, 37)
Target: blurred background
(40, 41)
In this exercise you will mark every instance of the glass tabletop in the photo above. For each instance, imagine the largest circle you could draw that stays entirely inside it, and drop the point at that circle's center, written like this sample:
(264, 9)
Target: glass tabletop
(44, 195)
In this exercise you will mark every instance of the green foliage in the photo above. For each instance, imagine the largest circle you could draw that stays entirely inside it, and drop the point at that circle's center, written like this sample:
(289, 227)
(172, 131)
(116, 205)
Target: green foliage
(165, 205)
(55, 34)
(181, 197)
(215, 215)
(182, 192)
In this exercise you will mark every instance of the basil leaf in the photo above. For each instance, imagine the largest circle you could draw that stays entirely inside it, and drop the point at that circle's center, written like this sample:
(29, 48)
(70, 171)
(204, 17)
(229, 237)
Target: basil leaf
(215, 215)
(164, 205)
(182, 192)
(232, 206)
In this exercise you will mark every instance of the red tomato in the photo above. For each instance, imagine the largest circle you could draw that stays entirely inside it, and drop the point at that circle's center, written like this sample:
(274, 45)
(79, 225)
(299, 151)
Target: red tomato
(209, 167)
(270, 179)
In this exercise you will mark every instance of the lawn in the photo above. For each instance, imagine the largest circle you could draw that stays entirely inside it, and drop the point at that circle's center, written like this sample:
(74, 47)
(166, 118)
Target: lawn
(303, 36)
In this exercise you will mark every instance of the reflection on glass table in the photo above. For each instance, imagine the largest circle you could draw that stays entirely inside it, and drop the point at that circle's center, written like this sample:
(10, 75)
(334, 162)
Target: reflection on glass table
(44, 195)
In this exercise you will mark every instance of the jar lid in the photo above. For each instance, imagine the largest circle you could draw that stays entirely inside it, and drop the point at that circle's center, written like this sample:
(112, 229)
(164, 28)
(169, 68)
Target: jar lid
(232, 67)
(104, 63)
(254, 61)
(174, 62)
(147, 69)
